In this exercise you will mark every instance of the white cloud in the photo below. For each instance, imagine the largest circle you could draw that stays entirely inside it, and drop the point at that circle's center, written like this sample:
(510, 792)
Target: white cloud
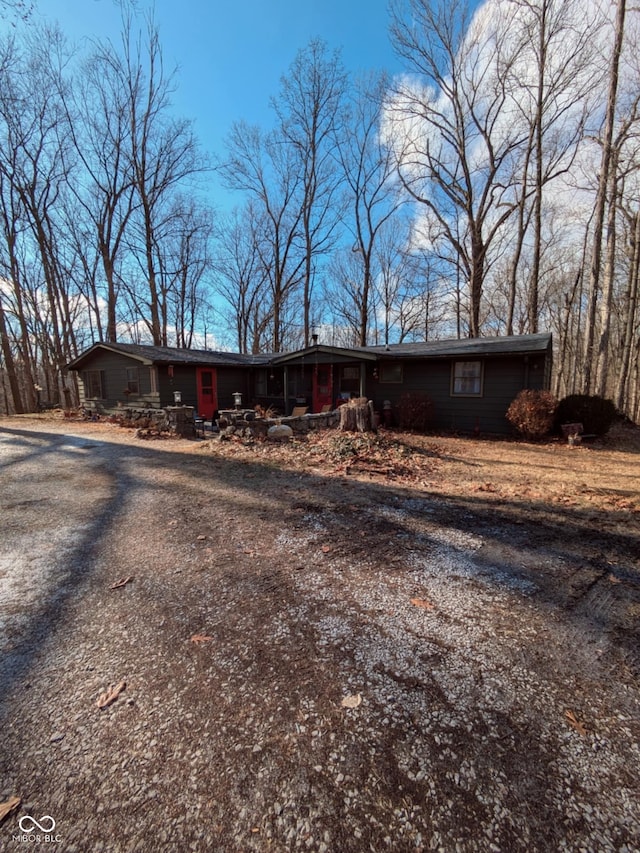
(501, 36)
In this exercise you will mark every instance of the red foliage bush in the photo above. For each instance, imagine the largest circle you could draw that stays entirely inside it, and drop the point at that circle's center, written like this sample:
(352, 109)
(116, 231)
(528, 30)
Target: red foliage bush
(532, 413)
(414, 411)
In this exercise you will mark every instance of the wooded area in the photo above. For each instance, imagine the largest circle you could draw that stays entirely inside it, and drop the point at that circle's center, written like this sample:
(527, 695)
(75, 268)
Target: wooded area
(491, 190)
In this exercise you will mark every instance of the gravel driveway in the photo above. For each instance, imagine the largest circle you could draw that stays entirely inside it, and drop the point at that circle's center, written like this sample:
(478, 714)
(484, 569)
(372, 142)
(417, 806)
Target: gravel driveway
(307, 665)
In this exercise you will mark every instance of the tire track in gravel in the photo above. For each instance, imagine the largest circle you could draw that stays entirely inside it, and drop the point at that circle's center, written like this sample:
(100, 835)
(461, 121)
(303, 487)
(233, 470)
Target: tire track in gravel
(48, 536)
(240, 742)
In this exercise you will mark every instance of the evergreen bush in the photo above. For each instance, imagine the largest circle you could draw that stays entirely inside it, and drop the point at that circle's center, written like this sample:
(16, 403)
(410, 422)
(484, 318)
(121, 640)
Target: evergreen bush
(596, 414)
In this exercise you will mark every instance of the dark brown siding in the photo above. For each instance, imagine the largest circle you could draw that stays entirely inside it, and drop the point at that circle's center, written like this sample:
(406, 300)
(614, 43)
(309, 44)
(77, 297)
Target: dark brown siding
(503, 378)
(230, 380)
(114, 380)
(183, 380)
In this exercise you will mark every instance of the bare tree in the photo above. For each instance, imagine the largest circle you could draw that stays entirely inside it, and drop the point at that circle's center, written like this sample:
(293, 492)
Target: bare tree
(347, 297)
(14, 347)
(630, 332)
(16, 10)
(164, 156)
(97, 110)
(184, 257)
(266, 168)
(455, 145)
(372, 193)
(550, 80)
(308, 107)
(35, 176)
(241, 279)
(604, 179)
(7, 351)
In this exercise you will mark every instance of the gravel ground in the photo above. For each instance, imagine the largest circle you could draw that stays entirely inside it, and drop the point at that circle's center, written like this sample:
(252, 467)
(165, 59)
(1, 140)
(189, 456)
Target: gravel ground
(310, 663)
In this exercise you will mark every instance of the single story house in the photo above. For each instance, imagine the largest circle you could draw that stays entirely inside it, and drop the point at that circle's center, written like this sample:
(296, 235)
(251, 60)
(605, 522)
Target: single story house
(470, 381)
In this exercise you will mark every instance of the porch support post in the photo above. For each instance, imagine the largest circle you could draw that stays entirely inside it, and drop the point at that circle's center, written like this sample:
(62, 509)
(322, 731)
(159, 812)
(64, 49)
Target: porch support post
(363, 378)
(285, 387)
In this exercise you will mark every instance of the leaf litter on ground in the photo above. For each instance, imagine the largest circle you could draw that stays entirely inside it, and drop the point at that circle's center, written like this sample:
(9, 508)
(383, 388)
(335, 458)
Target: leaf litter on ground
(110, 695)
(122, 582)
(200, 638)
(397, 457)
(8, 806)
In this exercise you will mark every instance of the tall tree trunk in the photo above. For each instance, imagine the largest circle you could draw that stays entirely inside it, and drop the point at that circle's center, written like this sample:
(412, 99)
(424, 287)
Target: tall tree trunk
(604, 326)
(601, 202)
(476, 282)
(109, 273)
(9, 364)
(630, 307)
(532, 302)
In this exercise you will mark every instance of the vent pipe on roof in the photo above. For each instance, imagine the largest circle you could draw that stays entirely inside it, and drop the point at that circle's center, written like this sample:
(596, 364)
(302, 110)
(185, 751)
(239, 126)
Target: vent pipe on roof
(314, 338)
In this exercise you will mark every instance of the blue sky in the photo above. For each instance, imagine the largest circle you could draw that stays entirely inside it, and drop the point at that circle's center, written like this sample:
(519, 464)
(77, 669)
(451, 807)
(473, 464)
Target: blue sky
(231, 54)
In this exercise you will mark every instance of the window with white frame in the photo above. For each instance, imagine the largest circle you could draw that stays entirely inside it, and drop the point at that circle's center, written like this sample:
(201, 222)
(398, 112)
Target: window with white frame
(467, 379)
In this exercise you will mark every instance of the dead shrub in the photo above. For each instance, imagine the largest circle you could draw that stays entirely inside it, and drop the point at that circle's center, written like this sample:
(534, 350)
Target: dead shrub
(270, 413)
(532, 413)
(414, 411)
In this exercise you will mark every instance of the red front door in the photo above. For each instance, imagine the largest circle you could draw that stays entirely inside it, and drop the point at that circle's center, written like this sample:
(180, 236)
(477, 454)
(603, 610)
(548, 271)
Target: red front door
(322, 387)
(207, 391)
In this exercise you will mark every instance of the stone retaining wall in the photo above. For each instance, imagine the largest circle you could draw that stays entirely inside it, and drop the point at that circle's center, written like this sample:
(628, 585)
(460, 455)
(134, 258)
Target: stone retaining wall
(173, 419)
(242, 424)
(258, 427)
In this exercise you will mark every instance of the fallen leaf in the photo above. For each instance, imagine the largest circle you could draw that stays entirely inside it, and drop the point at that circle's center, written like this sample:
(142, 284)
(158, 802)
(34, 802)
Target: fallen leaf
(201, 537)
(614, 579)
(351, 701)
(111, 694)
(121, 582)
(422, 602)
(8, 806)
(575, 723)
(325, 549)
(200, 638)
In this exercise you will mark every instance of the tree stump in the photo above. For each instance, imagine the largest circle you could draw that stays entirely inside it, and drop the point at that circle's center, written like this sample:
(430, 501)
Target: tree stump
(357, 416)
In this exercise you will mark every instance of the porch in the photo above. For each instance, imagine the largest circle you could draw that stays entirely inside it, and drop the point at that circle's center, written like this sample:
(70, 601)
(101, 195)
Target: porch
(319, 379)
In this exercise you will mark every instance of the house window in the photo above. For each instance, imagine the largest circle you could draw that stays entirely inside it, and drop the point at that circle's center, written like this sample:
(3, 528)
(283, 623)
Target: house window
(133, 381)
(351, 372)
(261, 383)
(391, 373)
(467, 379)
(94, 386)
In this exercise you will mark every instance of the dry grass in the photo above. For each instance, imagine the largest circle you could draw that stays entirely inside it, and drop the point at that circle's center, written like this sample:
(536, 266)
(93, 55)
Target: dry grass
(600, 476)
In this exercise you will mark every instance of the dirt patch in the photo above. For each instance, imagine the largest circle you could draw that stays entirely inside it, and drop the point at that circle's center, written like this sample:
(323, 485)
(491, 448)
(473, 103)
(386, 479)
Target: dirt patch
(475, 601)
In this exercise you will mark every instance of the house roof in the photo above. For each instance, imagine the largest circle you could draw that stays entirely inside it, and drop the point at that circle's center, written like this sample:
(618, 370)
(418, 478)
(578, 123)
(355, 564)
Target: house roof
(170, 355)
(467, 347)
(355, 353)
(464, 348)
